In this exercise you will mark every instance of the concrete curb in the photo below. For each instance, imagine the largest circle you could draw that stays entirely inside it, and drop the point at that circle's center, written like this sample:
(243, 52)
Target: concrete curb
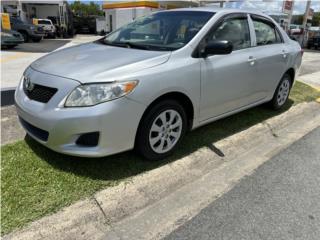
(155, 203)
(7, 96)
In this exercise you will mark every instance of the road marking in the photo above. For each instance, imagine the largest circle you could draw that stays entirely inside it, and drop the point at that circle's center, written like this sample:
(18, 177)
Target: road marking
(12, 57)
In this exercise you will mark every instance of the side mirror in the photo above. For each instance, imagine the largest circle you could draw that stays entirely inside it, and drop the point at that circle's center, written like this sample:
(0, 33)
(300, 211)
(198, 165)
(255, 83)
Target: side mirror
(218, 48)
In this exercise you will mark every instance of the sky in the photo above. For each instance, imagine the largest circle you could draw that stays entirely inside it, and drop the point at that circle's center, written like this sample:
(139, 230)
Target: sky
(270, 5)
(299, 6)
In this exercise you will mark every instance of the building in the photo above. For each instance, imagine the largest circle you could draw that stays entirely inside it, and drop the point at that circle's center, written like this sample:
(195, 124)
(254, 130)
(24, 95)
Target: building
(120, 13)
(28, 9)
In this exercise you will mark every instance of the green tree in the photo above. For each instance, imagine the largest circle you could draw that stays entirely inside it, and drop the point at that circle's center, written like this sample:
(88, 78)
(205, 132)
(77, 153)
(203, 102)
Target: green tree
(297, 19)
(85, 9)
(316, 19)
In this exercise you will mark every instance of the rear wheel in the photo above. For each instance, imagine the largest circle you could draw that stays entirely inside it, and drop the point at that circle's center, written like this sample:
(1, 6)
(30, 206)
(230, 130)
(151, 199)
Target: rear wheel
(282, 92)
(161, 130)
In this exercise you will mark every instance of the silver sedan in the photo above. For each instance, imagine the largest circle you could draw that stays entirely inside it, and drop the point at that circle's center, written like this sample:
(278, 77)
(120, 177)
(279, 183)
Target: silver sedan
(146, 84)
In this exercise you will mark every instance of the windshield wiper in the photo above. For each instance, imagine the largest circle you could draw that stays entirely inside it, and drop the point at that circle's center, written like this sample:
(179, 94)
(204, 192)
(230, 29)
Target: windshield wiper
(126, 45)
(135, 45)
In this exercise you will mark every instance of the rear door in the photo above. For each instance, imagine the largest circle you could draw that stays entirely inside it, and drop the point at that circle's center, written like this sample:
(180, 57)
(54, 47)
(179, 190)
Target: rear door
(271, 54)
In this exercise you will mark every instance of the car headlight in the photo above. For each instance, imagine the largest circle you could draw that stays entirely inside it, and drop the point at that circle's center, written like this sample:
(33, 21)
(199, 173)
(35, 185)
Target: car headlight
(4, 34)
(92, 94)
(32, 27)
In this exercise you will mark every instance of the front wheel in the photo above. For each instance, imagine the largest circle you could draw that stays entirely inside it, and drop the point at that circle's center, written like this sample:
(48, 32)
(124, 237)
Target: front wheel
(282, 92)
(11, 46)
(161, 130)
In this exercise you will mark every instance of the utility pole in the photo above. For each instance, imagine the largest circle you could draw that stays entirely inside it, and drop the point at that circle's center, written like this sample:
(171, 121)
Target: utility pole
(290, 15)
(305, 19)
(306, 14)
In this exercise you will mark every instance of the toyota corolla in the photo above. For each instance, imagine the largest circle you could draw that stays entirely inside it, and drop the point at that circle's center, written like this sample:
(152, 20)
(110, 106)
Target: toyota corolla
(146, 84)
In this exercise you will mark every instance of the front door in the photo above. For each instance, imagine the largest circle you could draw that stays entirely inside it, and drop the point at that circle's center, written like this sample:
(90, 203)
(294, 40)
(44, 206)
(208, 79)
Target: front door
(228, 81)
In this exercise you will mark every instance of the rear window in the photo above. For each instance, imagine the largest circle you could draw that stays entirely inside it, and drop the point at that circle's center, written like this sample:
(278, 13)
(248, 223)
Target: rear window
(45, 22)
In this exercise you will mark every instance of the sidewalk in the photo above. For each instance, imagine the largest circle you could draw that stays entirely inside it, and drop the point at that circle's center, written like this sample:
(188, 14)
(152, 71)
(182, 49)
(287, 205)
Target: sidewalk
(312, 79)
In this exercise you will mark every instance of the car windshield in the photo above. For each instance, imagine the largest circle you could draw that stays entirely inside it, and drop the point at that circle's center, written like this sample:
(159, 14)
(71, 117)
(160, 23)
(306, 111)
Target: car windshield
(44, 22)
(162, 31)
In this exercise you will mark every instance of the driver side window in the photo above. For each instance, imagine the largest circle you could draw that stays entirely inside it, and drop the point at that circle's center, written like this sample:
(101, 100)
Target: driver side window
(234, 30)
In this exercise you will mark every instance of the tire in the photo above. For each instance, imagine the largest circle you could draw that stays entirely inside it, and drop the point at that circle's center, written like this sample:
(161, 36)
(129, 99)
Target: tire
(25, 36)
(155, 140)
(36, 39)
(11, 46)
(282, 92)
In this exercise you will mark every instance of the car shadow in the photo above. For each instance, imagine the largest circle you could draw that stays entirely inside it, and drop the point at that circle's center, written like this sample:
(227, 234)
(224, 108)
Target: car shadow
(44, 46)
(129, 164)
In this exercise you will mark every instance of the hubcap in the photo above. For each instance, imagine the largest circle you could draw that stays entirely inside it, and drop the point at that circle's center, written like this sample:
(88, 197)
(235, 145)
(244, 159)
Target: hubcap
(283, 92)
(165, 131)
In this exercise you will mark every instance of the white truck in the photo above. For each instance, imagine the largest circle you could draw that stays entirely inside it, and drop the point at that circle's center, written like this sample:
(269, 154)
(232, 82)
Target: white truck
(48, 27)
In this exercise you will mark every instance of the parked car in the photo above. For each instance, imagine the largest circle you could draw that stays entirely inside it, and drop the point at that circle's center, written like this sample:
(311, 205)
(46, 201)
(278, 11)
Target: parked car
(295, 29)
(10, 39)
(314, 42)
(146, 84)
(48, 27)
(28, 31)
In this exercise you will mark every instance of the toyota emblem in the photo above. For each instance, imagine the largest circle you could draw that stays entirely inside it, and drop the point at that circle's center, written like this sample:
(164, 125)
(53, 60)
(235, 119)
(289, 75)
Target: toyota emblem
(28, 84)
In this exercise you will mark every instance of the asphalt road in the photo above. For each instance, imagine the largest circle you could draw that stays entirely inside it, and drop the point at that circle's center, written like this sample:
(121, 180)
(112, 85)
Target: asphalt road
(280, 200)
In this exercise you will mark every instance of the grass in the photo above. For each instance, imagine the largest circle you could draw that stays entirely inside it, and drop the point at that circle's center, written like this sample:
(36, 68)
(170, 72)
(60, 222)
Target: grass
(36, 181)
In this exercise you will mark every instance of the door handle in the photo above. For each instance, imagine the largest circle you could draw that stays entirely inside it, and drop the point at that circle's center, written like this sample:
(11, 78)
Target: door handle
(251, 60)
(284, 54)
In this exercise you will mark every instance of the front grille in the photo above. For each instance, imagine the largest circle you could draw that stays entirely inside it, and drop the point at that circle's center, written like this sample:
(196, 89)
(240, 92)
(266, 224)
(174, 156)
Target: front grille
(37, 132)
(40, 93)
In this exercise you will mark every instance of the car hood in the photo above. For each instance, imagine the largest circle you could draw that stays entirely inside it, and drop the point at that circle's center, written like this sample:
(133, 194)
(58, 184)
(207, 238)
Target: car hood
(96, 62)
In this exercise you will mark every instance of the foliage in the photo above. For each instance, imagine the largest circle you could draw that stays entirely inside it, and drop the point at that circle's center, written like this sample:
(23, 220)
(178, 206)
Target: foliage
(298, 19)
(316, 19)
(86, 9)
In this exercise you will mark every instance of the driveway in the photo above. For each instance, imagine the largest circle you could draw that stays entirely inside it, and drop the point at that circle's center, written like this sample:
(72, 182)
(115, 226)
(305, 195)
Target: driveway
(279, 201)
(14, 62)
(310, 71)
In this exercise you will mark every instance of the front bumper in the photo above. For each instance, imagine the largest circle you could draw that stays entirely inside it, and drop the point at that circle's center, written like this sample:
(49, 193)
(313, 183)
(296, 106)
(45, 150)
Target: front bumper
(11, 41)
(36, 34)
(116, 121)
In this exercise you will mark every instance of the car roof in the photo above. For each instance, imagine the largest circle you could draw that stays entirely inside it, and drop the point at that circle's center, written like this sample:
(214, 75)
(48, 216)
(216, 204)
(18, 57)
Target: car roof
(222, 10)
